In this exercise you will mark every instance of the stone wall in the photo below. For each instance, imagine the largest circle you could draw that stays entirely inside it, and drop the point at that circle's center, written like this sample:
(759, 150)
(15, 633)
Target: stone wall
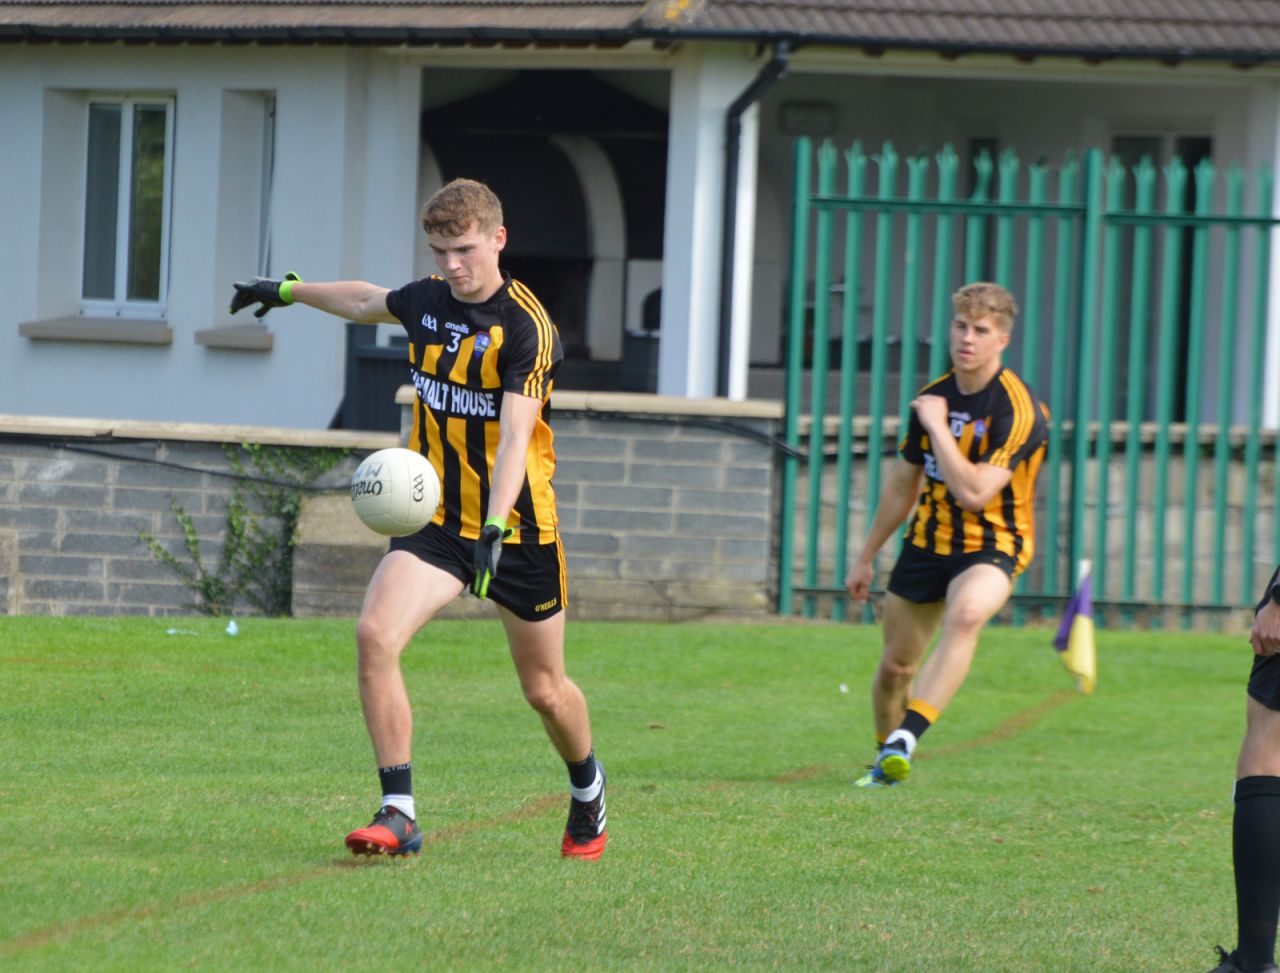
(77, 496)
(666, 511)
(669, 510)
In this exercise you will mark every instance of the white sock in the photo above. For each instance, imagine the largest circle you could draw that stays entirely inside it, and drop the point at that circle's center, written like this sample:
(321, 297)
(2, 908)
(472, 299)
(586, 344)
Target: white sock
(402, 803)
(904, 739)
(585, 794)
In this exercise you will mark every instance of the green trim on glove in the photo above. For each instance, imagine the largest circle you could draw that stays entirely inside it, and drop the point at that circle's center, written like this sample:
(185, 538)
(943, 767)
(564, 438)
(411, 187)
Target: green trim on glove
(486, 554)
(286, 286)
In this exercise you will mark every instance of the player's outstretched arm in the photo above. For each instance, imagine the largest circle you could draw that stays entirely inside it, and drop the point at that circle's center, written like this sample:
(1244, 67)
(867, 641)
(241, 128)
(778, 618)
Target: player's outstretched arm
(352, 300)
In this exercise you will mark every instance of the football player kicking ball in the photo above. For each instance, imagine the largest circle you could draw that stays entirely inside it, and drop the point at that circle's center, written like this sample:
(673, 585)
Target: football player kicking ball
(1255, 826)
(968, 463)
(483, 354)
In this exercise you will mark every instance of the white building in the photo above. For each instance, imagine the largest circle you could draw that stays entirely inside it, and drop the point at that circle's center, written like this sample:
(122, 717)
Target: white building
(152, 154)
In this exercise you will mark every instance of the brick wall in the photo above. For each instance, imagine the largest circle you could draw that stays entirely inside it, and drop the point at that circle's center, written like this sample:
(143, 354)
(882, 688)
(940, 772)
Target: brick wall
(666, 511)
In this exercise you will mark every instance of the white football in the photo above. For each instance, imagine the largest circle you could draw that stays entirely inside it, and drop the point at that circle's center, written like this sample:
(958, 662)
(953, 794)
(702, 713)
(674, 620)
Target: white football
(395, 491)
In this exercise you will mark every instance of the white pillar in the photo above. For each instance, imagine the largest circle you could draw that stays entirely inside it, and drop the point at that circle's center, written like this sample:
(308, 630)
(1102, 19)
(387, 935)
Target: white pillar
(607, 223)
(744, 252)
(705, 80)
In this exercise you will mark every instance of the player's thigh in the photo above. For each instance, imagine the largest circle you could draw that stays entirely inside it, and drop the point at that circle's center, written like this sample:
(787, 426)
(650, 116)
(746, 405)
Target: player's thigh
(1260, 752)
(404, 594)
(908, 628)
(537, 647)
(975, 595)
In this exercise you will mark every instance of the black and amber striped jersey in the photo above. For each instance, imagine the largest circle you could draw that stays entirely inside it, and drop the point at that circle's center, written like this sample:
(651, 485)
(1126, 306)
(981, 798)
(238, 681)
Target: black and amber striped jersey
(463, 359)
(1003, 424)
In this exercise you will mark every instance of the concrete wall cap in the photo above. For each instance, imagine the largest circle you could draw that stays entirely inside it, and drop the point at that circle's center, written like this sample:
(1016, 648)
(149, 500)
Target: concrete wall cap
(648, 404)
(193, 432)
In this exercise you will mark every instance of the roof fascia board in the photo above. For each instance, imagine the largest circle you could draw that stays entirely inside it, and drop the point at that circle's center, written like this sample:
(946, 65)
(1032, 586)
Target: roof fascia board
(640, 54)
(997, 67)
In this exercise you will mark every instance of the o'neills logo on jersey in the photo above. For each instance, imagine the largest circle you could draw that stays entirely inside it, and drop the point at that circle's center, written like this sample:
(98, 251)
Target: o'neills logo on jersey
(931, 467)
(454, 399)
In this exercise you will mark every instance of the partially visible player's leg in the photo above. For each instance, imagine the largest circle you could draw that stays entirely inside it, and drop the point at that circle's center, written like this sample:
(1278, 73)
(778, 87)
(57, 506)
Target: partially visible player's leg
(1255, 830)
(907, 629)
(403, 595)
(537, 649)
(1260, 750)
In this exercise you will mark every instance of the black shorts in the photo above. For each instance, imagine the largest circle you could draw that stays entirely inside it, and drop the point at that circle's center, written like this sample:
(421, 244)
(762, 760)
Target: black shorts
(530, 581)
(922, 576)
(1264, 678)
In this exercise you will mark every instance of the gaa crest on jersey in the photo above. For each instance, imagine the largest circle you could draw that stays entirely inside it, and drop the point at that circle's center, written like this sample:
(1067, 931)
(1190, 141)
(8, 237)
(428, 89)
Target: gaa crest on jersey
(482, 345)
(429, 322)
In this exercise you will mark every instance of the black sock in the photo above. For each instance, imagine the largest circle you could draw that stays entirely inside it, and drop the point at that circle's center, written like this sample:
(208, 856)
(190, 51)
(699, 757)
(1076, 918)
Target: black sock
(583, 774)
(397, 779)
(1255, 847)
(915, 723)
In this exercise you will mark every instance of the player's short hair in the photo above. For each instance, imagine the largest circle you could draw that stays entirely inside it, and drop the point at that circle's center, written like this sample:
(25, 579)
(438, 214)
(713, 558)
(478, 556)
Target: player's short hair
(459, 205)
(983, 299)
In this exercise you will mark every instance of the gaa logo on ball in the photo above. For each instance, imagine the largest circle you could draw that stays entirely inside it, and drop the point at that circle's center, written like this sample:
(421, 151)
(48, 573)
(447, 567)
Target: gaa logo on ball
(395, 491)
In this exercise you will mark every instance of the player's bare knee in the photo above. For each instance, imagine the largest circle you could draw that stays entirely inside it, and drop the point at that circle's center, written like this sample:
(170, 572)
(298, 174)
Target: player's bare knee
(543, 695)
(375, 642)
(894, 672)
(965, 619)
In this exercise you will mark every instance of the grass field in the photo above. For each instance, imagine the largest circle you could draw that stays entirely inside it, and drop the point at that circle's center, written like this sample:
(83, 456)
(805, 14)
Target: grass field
(179, 802)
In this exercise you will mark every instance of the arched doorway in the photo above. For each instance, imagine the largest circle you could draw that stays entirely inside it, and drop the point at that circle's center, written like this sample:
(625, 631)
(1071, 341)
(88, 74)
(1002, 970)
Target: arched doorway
(580, 167)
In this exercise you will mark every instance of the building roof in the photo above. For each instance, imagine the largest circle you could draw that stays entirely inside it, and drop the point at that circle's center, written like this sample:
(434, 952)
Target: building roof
(1242, 31)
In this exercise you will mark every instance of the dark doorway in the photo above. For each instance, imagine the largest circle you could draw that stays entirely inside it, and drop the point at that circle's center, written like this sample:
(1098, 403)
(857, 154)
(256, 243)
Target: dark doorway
(548, 243)
(505, 137)
(561, 285)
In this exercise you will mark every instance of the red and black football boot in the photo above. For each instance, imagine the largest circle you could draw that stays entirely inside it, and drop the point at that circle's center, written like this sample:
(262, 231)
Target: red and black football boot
(390, 833)
(585, 834)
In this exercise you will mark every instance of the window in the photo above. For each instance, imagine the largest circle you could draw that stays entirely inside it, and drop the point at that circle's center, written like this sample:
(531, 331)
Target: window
(126, 210)
(268, 172)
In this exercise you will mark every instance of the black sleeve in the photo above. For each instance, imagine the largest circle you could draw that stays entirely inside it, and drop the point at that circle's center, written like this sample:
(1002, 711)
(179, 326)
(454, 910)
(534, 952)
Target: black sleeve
(398, 303)
(532, 357)
(910, 448)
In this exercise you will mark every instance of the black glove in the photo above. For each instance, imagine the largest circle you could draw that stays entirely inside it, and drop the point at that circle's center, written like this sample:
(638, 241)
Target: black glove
(265, 291)
(488, 549)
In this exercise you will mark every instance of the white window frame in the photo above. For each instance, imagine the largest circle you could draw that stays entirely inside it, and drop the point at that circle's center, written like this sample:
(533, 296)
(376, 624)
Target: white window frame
(120, 306)
(268, 182)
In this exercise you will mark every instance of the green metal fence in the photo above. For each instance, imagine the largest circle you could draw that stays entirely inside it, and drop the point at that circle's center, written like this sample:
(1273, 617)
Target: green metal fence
(1144, 295)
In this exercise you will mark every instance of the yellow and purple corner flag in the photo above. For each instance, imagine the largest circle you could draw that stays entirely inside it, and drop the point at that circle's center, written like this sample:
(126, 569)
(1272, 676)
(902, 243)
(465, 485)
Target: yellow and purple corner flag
(1074, 640)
